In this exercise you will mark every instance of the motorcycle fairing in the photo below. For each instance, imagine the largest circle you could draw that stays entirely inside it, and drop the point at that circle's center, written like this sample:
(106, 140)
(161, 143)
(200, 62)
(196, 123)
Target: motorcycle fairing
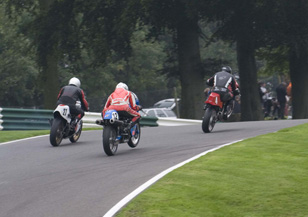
(214, 99)
(111, 114)
(63, 111)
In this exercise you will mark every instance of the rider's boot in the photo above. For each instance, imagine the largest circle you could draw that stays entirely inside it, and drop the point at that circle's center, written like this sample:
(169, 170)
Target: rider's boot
(129, 126)
(76, 124)
(225, 112)
(132, 123)
(228, 109)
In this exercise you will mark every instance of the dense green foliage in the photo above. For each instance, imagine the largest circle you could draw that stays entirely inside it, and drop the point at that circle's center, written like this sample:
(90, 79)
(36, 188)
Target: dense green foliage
(149, 66)
(18, 71)
(276, 60)
(151, 45)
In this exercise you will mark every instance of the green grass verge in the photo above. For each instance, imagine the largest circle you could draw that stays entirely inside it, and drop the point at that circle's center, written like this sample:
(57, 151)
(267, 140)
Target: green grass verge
(263, 176)
(6, 136)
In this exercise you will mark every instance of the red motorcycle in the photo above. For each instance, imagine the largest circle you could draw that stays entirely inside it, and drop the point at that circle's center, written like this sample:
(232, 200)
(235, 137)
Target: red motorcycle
(215, 110)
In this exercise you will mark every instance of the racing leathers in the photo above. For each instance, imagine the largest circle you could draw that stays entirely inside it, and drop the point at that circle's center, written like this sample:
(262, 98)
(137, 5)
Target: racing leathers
(122, 100)
(225, 85)
(69, 95)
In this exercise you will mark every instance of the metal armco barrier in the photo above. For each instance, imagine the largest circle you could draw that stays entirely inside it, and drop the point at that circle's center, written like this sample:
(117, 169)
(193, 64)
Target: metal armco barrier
(24, 119)
(177, 122)
(38, 119)
(90, 118)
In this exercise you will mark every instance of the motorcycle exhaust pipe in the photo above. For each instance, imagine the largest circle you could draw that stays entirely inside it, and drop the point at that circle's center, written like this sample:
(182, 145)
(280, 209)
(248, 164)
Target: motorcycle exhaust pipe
(116, 122)
(99, 122)
(111, 121)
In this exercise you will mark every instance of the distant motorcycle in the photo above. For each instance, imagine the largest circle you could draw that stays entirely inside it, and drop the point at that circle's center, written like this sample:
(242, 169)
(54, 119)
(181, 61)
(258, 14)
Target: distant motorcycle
(117, 129)
(64, 125)
(215, 111)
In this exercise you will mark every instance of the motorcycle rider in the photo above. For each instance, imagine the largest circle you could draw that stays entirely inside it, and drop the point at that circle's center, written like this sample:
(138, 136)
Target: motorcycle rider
(123, 100)
(226, 86)
(72, 93)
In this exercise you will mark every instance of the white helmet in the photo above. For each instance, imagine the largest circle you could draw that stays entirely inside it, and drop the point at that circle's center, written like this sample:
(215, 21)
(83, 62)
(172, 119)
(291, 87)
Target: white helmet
(74, 81)
(122, 85)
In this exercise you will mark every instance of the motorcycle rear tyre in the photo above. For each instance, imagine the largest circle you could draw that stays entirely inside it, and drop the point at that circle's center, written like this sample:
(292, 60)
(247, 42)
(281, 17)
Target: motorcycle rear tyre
(109, 144)
(74, 138)
(134, 139)
(208, 122)
(56, 132)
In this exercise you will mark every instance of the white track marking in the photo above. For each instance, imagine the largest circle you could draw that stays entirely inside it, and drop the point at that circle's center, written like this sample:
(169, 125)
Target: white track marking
(133, 194)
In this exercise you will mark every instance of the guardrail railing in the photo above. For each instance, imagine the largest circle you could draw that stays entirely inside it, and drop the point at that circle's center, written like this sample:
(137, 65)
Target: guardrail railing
(177, 122)
(24, 119)
(38, 119)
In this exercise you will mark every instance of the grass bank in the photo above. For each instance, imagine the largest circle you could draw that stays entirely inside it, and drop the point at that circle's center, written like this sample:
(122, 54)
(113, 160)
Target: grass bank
(263, 176)
(6, 136)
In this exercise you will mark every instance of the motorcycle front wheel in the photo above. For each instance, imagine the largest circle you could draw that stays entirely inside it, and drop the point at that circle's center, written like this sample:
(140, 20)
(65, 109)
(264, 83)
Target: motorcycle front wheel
(109, 140)
(56, 132)
(135, 137)
(74, 138)
(209, 120)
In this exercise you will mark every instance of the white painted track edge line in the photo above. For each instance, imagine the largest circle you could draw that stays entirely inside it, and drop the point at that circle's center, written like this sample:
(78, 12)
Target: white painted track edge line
(34, 137)
(20, 140)
(147, 184)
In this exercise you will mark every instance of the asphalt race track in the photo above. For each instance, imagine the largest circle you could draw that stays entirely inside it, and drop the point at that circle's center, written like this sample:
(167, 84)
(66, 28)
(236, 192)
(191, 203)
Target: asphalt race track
(79, 180)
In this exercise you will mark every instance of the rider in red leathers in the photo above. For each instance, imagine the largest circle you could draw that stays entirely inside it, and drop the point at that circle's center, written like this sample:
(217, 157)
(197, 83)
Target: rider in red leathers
(123, 100)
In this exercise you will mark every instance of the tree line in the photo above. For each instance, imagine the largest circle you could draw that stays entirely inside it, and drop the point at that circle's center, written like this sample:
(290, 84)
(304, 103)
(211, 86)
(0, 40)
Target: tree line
(152, 43)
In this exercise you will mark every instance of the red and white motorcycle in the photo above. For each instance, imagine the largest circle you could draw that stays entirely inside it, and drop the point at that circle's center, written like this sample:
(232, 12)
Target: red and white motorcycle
(215, 110)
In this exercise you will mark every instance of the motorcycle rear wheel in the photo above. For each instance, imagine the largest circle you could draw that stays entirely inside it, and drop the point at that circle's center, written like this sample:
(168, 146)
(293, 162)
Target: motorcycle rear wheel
(74, 138)
(209, 121)
(110, 144)
(134, 139)
(56, 132)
